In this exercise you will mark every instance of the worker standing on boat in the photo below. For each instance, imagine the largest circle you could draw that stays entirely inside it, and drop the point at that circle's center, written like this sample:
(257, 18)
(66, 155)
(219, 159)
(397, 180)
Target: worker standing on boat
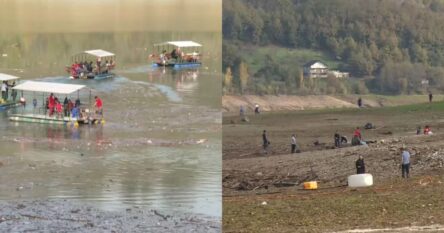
(59, 109)
(13, 92)
(98, 105)
(65, 107)
(51, 104)
(4, 89)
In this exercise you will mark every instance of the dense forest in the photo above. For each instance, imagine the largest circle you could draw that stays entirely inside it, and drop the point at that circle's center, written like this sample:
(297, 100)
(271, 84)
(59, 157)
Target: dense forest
(388, 46)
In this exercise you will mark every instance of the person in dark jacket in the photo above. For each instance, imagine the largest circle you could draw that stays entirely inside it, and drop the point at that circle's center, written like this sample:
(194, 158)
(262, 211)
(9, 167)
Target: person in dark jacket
(360, 102)
(265, 141)
(337, 139)
(360, 166)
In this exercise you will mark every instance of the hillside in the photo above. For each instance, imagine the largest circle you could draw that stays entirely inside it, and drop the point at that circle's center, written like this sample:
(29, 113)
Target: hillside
(399, 43)
(231, 103)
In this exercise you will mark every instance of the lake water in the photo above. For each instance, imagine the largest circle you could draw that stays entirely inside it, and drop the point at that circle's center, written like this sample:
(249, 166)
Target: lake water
(160, 146)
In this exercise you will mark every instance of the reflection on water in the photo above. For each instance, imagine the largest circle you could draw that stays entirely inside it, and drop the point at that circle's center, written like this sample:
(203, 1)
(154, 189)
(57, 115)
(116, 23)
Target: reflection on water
(160, 146)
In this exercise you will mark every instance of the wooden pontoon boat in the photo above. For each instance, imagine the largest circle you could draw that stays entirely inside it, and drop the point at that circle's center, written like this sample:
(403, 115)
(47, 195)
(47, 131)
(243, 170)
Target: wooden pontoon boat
(177, 54)
(92, 64)
(85, 113)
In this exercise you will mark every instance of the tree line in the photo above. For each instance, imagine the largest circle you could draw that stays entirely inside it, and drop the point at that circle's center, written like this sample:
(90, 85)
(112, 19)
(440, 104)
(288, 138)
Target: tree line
(398, 43)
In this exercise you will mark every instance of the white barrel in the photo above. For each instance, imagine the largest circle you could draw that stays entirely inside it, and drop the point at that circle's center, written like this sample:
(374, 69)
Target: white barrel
(360, 180)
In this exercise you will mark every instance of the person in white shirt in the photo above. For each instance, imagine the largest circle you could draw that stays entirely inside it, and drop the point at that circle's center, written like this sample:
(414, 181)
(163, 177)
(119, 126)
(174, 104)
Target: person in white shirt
(4, 90)
(293, 143)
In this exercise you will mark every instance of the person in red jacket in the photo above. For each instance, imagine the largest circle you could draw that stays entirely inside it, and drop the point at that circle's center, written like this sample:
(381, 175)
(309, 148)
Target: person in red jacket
(51, 104)
(98, 105)
(427, 130)
(357, 137)
(357, 133)
(59, 109)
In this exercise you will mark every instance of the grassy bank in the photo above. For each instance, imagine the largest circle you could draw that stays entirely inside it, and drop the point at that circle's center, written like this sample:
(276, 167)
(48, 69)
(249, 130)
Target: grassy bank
(393, 204)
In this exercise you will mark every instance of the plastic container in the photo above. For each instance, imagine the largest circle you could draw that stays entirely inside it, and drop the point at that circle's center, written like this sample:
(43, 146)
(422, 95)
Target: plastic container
(311, 185)
(360, 180)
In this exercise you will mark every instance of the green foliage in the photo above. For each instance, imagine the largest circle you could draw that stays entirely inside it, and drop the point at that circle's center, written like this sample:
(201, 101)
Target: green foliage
(365, 38)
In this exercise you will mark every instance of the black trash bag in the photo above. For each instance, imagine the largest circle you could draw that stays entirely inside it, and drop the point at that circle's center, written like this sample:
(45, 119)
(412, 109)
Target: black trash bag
(369, 126)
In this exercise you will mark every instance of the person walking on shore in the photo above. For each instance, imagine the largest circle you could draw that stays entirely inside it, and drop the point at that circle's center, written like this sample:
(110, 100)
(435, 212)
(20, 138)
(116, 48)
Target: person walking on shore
(430, 97)
(265, 141)
(256, 109)
(405, 162)
(360, 102)
(337, 139)
(293, 143)
(360, 165)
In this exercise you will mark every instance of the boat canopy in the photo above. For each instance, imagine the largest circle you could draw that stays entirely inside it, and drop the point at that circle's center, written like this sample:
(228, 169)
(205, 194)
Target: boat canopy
(59, 88)
(99, 53)
(7, 77)
(180, 44)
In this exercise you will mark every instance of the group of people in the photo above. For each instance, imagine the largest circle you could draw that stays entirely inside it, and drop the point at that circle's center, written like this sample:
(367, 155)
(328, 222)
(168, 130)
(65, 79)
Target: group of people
(427, 130)
(266, 143)
(357, 137)
(5, 86)
(242, 110)
(81, 68)
(68, 108)
(405, 163)
(360, 164)
(177, 54)
(54, 106)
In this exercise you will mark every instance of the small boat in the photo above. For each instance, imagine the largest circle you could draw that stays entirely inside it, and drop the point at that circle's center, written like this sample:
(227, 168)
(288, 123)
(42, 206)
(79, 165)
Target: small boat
(85, 114)
(92, 64)
(176, 54)
(7, 101)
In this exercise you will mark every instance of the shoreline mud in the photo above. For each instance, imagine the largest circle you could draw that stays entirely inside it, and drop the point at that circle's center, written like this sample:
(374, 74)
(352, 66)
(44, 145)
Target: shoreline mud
(48, 215)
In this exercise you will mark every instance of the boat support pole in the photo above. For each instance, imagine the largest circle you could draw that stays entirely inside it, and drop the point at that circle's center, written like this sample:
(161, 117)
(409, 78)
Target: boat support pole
(43, 104)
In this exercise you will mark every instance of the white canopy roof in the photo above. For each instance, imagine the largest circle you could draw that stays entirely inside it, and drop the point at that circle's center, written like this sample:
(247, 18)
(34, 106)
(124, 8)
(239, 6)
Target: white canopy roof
(181, 44)
(99, 53)
(7, 77)
(59, 88)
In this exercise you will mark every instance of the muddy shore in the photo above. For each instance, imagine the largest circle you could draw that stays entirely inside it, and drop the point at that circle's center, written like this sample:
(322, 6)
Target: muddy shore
(71, 216)
(263, 192)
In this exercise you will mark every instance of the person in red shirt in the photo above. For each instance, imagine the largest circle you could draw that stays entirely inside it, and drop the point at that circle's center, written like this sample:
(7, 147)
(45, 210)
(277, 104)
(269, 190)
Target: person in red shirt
(357, 133)
(51, 104)
(427, 130)
(357, 137)
(98, 105)
(59, 109)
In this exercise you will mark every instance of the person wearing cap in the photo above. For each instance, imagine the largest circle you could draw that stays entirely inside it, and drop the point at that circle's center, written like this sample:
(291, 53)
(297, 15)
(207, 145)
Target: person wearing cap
(405, 162)
(256, 109)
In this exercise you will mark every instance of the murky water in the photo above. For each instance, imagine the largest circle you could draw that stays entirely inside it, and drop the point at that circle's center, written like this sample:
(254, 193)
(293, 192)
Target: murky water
(160, 145)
